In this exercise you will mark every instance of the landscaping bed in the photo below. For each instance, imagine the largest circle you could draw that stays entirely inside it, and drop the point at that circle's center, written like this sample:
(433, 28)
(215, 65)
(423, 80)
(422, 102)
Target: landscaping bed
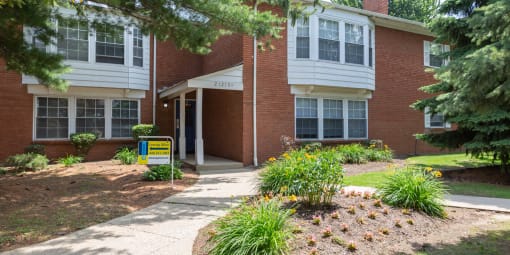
(464, 231)
(37, 206)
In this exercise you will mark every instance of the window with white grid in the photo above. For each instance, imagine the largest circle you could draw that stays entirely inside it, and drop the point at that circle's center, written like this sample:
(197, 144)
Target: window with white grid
(357, 115)
(329, 40)
(90, 116)
(52, 118)
(354, 48)
(302, 39)
(124, 117)
(109, 44)
(333, 118)
(137, 47)
(307, 119)
(73, 39)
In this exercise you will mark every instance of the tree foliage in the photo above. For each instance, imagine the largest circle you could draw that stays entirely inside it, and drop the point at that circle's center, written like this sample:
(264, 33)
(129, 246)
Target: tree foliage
(419, 10)
(473, 90)
(351, 3)
(191, 24)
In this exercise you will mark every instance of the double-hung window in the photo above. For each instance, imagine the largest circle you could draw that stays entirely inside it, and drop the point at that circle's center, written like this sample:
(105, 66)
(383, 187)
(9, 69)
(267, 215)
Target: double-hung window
(303, 39)
(52, 118)
(333, 118)
(354, 48)
(357, 119)
(124, 116)
(434, 54)
(73, 39)
(324, 118)
(90, 116)
(329, 40)
(435, 120)
(137, 47)
(109, 44)
(307, 119)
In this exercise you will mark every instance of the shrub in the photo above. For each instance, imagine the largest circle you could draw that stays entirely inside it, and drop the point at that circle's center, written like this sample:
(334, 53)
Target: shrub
(414, 188)
(35, 148)
(314, 176)
(163, 172)
(28, 161)
(83, 142)
(70, 160)
(126, 156)
(375, 154)
(258, 228)
(353, 153)
(144, 130)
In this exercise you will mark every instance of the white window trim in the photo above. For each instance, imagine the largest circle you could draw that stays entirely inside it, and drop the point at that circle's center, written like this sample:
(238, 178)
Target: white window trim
(320, 118)
(71, 108)
(426, 53)
(313, 28)
(427, 121)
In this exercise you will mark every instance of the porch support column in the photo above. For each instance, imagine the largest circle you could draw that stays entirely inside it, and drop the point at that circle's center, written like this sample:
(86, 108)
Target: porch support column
(182, 126)
(199, 143)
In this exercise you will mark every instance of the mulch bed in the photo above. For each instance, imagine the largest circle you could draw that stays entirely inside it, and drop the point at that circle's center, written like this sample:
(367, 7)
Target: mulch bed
(425, 233)
(37, 206)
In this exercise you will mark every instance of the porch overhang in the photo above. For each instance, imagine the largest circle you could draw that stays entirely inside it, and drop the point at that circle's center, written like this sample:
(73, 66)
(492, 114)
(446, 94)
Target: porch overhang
(226, 79)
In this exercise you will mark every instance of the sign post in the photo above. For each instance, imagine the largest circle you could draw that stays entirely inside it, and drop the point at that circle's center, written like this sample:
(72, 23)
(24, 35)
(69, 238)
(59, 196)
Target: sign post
(160, 152)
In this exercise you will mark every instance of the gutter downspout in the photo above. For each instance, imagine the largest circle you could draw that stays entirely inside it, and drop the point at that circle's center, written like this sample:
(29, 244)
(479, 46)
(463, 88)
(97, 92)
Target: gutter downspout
(154, 83)
(255, 160)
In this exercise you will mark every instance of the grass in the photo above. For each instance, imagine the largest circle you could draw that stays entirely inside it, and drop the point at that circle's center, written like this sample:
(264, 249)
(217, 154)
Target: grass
(479, 189)
(371, 179)
(449, 161)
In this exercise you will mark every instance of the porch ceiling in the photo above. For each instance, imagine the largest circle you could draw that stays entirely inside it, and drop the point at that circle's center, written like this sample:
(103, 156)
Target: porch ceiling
(226, 79)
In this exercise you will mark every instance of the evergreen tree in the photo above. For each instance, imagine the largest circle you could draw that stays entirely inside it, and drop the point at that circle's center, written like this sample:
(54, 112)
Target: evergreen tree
(419, 10)
(473, 90)
(192, 24)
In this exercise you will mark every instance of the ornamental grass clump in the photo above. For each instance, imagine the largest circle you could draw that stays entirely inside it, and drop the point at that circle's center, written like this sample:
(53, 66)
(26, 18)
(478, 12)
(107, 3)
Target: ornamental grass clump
(314, 176)
(414, 188)
(260, 227)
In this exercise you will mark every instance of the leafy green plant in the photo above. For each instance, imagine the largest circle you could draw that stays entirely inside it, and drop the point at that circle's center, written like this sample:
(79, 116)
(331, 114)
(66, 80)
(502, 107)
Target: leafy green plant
(83, 142)
(28, 161)
(314, 176)
(416, 188)
(144, 130)
(258, 228)
(126, 156)
(3, 171)
(163, 172)
(70, 160)
(352, 153)
(35, 148)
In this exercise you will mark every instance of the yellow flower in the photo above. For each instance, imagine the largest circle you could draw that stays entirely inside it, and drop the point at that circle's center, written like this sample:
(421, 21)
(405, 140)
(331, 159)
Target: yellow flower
(428, 169)
(266, 198)
(300, 158)
(283, 189)
(286, 155)
(292, 211)
(372, 145)
(272, 159)
(437, 174)
(292, 198)
(307, 156)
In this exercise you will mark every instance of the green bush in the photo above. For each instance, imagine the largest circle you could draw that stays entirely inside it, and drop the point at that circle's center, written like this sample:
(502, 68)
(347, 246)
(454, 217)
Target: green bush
(258, 228)
(28, 161)
(353, 153)
(314, 176)
(126, 156)
(374, 154)
(83, 142)
(144, 130)
(163, 172)
(415, 188)
(35, 148)
(70, 160)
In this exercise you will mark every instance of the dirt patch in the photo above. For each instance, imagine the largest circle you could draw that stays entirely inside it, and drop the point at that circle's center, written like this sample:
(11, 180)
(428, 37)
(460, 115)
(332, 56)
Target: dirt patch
(355, 169)
(37, 206)
(425, 234)
(492, 174)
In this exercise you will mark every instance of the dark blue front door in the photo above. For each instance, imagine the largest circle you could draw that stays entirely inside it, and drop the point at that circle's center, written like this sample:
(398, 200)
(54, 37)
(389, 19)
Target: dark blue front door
(189, 125)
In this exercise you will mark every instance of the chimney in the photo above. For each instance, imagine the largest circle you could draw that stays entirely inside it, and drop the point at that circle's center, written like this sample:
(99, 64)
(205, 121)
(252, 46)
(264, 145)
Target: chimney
(380, 6)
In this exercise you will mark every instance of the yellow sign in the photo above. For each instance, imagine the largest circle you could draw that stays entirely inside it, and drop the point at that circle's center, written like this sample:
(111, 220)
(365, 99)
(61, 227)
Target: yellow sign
(154, 152)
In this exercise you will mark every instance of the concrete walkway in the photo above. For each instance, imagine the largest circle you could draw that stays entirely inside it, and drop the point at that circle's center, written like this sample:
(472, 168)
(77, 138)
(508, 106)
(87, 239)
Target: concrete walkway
(482, 203)
(169, 227)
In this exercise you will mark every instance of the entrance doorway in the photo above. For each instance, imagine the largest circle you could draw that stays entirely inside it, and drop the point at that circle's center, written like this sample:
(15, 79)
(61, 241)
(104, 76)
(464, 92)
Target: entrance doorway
(189, 125)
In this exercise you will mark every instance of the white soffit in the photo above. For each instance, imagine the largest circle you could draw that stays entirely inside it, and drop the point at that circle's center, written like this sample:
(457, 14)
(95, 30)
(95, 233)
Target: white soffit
(328, 91)
(42, 90)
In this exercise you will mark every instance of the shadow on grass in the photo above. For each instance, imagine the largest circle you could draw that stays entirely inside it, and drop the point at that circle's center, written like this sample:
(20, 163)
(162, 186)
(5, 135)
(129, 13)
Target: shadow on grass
(493, 242)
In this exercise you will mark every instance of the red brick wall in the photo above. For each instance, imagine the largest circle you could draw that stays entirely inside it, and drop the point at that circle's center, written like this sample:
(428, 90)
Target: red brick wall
(226, 52)
(380, 6)
(399, 75)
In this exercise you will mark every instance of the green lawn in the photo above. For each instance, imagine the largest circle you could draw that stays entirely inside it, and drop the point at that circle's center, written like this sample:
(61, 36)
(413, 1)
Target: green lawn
(448, 161)
(371, 179)
(479, 189)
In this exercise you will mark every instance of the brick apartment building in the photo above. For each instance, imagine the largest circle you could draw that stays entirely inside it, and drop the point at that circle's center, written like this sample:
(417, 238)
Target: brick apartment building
(345, 75)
